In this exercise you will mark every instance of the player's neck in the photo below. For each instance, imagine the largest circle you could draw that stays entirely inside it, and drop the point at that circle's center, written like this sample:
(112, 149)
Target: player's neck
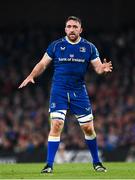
(73, 42)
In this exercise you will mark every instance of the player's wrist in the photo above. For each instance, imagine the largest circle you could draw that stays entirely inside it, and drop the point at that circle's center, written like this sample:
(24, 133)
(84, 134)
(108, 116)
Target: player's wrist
(31, 76)
(103, 68)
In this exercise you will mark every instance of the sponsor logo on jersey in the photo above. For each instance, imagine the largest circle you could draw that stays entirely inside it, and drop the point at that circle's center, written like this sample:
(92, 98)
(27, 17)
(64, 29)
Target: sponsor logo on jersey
(82, 49)
(62, 48)
(71, 60)
(87, 109)
(71, 55)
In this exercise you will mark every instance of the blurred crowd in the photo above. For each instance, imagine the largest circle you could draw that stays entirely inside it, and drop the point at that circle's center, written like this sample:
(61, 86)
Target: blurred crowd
(24, 117)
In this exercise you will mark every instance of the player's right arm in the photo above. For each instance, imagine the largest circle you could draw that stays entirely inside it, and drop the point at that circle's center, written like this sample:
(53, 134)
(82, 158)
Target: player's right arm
(37, 70)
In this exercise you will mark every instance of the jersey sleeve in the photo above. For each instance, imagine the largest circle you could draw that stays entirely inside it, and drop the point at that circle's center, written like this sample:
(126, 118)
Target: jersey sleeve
(50, 50)
(94, 52)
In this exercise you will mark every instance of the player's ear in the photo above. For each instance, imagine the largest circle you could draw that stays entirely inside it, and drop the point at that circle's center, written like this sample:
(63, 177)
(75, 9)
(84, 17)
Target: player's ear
(65, 29)
(81, 30)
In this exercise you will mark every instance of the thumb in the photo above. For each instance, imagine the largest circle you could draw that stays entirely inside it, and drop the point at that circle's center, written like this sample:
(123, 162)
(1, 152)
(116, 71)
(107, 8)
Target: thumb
(105, 61)
(33, 81)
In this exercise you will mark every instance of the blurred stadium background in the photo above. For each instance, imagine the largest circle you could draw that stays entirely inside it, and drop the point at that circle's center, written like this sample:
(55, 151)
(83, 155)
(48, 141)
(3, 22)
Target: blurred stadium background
(26, 29)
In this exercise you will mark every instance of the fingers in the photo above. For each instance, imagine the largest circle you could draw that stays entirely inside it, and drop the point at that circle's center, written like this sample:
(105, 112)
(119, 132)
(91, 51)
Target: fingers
(105, 61)
(22, 85)
(25, 82)
(110, 70)
(108, 66)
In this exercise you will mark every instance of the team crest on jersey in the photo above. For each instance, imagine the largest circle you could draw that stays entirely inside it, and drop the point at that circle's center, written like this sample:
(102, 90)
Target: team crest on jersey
(53, 105)
(62, 48)
(82, 49)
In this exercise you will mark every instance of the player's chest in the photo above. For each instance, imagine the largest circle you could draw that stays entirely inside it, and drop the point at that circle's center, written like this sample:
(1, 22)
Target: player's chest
(76, 52)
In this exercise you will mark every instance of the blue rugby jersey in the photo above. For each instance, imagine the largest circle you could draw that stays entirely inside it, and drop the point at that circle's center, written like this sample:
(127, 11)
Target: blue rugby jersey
(71, 61)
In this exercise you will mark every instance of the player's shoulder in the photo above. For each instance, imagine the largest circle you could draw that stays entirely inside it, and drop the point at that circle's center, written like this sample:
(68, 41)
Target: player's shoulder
(85, 41)
(89, 44)
(58, 41)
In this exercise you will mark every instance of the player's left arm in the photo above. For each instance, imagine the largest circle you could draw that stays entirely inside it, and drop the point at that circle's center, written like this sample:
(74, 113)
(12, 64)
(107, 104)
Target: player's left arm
(100, 67)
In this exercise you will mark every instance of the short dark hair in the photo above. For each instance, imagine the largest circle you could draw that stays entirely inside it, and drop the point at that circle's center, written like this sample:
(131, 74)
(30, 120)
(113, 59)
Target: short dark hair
(74, 18)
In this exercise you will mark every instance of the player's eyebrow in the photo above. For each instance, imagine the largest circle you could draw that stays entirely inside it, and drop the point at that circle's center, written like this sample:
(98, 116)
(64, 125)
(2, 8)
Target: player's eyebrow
(75, 26)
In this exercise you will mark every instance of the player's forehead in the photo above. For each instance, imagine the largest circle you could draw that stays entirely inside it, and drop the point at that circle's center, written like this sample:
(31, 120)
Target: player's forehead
(73, 23)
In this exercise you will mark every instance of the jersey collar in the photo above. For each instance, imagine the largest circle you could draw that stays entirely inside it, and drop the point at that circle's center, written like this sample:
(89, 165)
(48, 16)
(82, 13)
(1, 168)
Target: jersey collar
(71, 41)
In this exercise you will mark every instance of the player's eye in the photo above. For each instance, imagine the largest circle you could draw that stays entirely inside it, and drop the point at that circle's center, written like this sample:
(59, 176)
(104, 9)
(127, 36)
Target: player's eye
(75, 26)
(68, 26)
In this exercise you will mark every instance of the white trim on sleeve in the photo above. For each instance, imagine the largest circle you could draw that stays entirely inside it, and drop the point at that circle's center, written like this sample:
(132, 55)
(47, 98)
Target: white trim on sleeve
(96, 59)
(48, 56)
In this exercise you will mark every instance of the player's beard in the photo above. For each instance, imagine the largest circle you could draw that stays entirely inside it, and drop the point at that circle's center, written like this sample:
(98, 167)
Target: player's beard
(73, 37)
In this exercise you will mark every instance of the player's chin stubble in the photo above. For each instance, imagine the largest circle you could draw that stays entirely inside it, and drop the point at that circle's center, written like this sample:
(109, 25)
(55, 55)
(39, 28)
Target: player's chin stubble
(72, 37)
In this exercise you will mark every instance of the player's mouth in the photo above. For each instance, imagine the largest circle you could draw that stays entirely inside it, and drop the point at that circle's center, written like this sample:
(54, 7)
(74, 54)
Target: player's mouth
(72, 35)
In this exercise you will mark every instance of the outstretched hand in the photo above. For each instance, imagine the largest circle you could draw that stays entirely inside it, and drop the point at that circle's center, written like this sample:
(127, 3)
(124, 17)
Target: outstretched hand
(107, 66)
(29, 79)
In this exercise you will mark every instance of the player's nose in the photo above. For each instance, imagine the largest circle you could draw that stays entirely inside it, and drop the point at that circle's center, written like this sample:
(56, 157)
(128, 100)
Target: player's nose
(72, 31)
(72, 28)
